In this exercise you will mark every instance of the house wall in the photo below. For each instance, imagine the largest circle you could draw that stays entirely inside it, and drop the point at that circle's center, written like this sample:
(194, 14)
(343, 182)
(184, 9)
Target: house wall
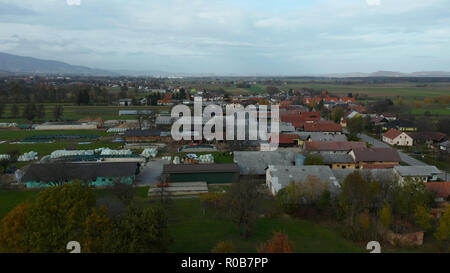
(98, 182)
(343, 166)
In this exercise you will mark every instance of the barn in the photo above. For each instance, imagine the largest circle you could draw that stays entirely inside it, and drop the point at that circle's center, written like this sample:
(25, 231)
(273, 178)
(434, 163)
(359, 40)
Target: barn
(209, 173)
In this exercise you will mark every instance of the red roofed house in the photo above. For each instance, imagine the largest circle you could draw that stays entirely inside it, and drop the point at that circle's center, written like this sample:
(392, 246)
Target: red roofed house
(397, 137)
(300, 119)
(286, 140)
(440, 189)
(323, 126)
(348, 100)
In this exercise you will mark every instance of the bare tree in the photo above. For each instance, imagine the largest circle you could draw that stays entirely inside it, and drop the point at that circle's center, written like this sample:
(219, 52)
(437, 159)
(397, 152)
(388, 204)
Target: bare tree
(242, 204)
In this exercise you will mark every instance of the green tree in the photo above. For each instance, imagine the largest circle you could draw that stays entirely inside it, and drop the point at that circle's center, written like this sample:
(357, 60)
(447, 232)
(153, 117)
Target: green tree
(272, 90)
(242, 201)
(355, 126)
(29, 112)
(443, 231)
(14, 110)
(2, 109)
(58, 111)
(386, 216)
(337, 114)
(140, 230)
(313, 160)
(58, 216)
(354, 196)
(12, 230)
(96, 229)
(422, 217)
(40, 111)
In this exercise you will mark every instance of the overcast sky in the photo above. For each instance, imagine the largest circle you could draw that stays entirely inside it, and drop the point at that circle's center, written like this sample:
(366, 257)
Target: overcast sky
(280, 37)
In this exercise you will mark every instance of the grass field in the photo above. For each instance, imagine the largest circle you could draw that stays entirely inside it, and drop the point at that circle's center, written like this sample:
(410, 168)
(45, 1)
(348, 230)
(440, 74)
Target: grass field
(75, 112)
(194, 232)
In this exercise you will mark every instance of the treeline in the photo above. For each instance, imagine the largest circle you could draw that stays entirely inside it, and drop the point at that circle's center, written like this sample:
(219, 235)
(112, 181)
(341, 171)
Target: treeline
(21, 92)
(72, 212)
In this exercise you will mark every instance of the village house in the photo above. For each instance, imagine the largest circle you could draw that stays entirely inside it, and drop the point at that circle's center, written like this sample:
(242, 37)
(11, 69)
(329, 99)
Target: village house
(328, 127)
(397, 137)
(339, 161)
(255, 163)
(418, 173)
(375, 158)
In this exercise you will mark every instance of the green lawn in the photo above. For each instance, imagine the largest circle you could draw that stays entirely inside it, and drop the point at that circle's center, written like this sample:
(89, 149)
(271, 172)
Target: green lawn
(194, 232)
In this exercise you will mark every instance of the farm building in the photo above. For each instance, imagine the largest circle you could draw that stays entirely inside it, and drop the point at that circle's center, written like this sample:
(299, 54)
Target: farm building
(279, 177)
(332, 147)
(256, 163)
(421, 173)
(372, 158)
(209, 173)
(96, 174)
(338, 161)
(66, 126)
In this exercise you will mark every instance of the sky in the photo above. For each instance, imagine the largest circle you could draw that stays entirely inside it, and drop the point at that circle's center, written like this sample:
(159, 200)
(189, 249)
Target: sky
(269, 37)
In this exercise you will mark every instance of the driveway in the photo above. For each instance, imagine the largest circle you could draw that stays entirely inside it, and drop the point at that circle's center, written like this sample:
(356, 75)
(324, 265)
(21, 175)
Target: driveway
(151, 172)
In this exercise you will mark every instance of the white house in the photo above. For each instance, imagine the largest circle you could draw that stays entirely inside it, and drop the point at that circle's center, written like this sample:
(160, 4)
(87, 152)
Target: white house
(397, 137)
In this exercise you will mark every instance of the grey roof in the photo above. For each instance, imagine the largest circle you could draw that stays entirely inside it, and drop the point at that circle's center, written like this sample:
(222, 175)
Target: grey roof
(337, 158)
(286, 174)
(379, 175)
(164, 120)
(417, 170)
(200, 168)
(319, 136)
(257, 162)
(51, 172)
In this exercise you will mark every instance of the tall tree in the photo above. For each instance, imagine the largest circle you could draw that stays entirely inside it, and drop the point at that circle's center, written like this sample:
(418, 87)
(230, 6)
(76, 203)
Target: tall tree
(242, 204)
(14, 110)
(58, 111)
(355, 126)
(354, 197)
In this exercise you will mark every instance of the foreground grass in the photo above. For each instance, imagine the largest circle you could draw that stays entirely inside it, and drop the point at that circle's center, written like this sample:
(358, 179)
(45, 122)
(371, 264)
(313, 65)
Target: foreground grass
(194, 231)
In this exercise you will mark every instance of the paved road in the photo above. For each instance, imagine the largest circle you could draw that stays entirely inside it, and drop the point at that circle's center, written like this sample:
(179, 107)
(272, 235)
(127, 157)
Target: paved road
(151, 172)
(404, 157)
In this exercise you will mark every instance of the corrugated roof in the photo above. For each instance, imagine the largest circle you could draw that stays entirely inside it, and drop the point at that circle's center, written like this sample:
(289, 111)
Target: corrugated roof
(257, 162)
(82, 171)
(334, 145)
(417, 170)
(376, 155)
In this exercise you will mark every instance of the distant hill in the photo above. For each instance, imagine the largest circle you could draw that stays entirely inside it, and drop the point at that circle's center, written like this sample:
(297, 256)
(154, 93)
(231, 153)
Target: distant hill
(28, 65)
(390, 74)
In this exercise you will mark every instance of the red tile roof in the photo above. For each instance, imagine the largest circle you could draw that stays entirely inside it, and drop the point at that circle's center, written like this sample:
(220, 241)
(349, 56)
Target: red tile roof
(322, 127)
(392, 133)
(333, 145)
(441, 189)
(286, 138)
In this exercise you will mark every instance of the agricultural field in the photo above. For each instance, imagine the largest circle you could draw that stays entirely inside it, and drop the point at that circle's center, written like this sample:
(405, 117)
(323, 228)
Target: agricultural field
(75, 112)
